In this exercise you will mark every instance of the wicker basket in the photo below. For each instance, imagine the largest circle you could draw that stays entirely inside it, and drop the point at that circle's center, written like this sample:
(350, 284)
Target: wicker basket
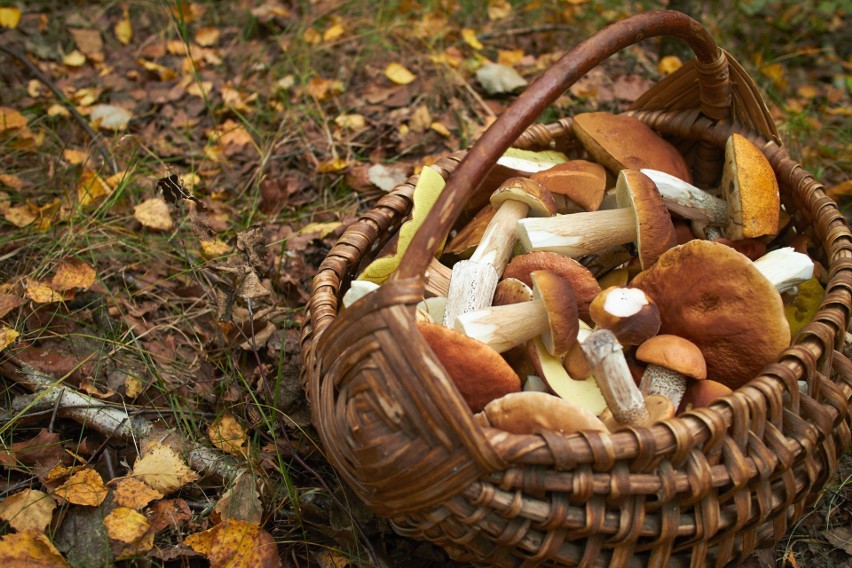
(705, 488)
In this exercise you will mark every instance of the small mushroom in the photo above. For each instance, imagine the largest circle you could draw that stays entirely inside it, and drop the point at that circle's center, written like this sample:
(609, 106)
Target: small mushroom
(628, 312)
(536, 412)
(671, 360)
(700, 394)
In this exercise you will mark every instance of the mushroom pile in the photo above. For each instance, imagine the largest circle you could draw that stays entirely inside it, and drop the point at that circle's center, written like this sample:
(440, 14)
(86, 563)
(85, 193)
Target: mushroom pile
(605, 290)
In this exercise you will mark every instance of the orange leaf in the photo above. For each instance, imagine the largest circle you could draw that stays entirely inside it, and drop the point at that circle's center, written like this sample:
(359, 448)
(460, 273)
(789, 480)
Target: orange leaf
(227, 434)
(134, 494)
(29, 548)
(84, 488)
(236, 544)
(73, 273)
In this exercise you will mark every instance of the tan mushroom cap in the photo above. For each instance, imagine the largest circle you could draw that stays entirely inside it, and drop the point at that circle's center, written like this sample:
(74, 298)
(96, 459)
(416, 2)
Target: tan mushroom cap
(563, 320)
(582, 281)
(675, 353)
(478, 371)
(655, 232)
(471, 233)
(511, 291)
(715, 297)
(581, 181)
(622, 142)
(700, 394)
(536, 412)
(525, 190)
(751, 190)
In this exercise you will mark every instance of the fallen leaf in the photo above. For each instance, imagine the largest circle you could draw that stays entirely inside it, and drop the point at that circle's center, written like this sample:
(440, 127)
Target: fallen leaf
(350, 121)
(214, 248)
(75, 156)
(630, 87)
(71, 274)
(124, 28)
(321, 89)
(399, 74)
(776, 72)
(29, 548)
(133, 387)
(134, 494)
(841, 537)
(334, 32)
(207, 36)
(331, 166)
(163, 469)
(227, 434)
(89, 42)
(469, 37)
(74, 59)
(311, 36)
(801, 310)
(9, 302)
(13, 181)
(387, 177)
(29, 509)
(125, 525)
(91, 188)
(440, 129)
(85, 487)
(499, 79)
(669, 64)
(510, 58)
(236, 544)
(41, 292)
(843, 189)
(164, 73)
(168, 513)
(328, 559)
(499, 9)
(20, 215)
(43, 449)
(10, 17)
(154, 214)
(11, 119)
(110, 117)
(241, 501)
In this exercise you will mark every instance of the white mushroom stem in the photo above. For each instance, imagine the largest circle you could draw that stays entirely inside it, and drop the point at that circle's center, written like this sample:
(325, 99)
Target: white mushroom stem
(358, 290)
(785, 268)
(503, 327)
(579, 234)
(660, 380)
(687, 200)
(609, 367)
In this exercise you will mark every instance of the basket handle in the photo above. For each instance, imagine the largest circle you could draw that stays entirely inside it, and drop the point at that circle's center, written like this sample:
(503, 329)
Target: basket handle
(462, 184)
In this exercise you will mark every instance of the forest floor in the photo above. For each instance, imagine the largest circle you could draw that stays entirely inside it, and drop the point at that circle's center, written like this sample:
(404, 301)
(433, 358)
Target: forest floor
(150, 345)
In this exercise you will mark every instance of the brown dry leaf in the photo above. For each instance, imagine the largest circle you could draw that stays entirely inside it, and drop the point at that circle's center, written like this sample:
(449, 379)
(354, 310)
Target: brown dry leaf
(9, 302)
(89, 42)
(842, 189)
(43, 449)
(469, 37)
(20, 215)
(125, 525)
(227, 434)
(10, 18)
(123, 29)
(163, 469)
(134, 494)
(29, 509)
(499, 9)
(7, 337)
(161, 71)
(214, 248)
(231, 135)
(73, 273)
(74, 59)
(85, 487)
(669, 64)
(399, 74)
(510, 58)
(776, 72)
(154, 214)
(236, 544)
(311, 37)
(13, 181)
(329, 559)
(187, 12)
(90, 388)
(321, 89)
(207, 36)
(168, 513)
(241, 501)
(332, 166)
(59, 471)
(41, 292)
(11, 119)
(57, 109)
(91, 188)
(29, 549)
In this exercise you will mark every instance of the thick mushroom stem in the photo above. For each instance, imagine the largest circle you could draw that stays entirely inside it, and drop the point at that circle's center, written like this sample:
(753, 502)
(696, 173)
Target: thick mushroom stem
(579, 234)
(606, 358)
(785, 268)
(687, 200)
(489, 325)
(660, 380)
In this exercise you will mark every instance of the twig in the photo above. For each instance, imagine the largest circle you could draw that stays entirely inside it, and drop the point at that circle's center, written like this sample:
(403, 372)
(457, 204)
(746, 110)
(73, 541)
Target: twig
(525, 31)
(47, 82)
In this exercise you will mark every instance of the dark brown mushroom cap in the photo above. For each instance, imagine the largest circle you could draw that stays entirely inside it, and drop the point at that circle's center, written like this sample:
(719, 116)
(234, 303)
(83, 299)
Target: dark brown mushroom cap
(479, 372)
(563, 321)
(713, 296)
(581, 181)
(622, 142)
(655, 232)
(628, 312)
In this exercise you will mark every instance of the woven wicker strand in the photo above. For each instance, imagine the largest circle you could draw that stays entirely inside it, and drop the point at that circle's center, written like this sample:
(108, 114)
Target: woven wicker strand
(701, 489)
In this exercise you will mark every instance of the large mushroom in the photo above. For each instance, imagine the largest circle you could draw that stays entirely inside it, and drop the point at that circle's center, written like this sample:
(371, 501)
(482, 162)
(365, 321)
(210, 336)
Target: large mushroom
(535, 412)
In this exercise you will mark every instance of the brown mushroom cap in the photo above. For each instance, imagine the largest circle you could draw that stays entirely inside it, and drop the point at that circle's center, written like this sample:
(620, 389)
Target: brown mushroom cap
(622, 142)
(582, 182)
(563, 321)
(466, 239)
(528, 191)
(627, 312)
(536, 412)
(582, 281)
(675, 353)
(715, 297)
(511, 291)
(478, 371)
(751, 190)
(699, 394)
(655, 232)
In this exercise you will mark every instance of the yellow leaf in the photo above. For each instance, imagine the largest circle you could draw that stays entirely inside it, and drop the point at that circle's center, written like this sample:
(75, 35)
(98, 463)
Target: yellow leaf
(125, 525)
(351, 121)
(74, 156)
(775, 71)
(13, 181)
(11, 119)
(334, 31)
(440, 129)
(469, 36)
(85, 487)
(499, 9)
(20, 215)
(124, 29)
(214, 248)
(91, 188)
(134, 494)
(842, 189)
(164, 73)
(29, 548)
(207, 36)
(321, 89)
(74, 59)
(71, 274)
(332, 166)
(311, 36)
(804, 306)
(323, 229)
(227, 434)
(7, 337)
(669, 64)
(399, 74)
(154, 214)
(10, 17)
(236, 544)
(133, 387)
(510, 58)
(163, 469)
(29, 509)
(42, 293)
(58, 110)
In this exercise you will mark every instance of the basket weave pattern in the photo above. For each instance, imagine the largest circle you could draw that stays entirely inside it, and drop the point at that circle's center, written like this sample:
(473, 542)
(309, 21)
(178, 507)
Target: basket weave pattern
(704, 488)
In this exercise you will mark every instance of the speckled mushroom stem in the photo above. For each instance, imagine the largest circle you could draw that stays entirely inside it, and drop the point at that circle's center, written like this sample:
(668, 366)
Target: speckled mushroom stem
(609, 367)
(660, 380)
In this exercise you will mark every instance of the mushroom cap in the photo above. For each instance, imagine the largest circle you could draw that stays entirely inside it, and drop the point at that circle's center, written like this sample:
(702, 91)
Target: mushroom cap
(511, 291)
(715, 297)
(563, 320)
(675, 353)
(622, 142)
(466, 239)
(627, 312)
(751, 190)
(699, 394)
(525, 190)
(479, 372)
(582, 281)
(536, 412)
(582, 182)
(655, 232)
